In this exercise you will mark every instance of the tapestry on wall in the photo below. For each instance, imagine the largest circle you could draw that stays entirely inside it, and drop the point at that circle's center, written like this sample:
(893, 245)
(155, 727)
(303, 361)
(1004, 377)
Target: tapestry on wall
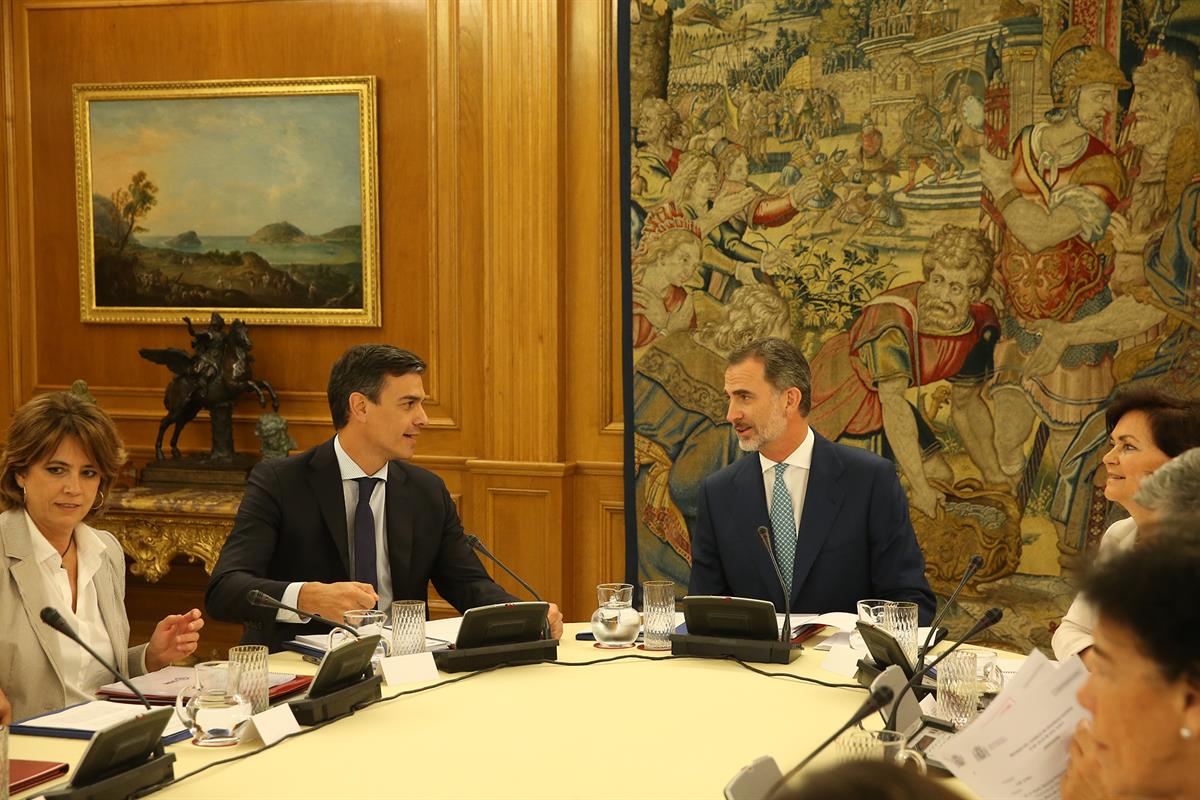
(838, 172)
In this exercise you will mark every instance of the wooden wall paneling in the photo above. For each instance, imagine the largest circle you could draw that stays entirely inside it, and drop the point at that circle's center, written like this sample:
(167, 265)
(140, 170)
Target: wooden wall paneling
(145, 41)
(599, 526)
(523, 259)
(522, 512)
(593, 374)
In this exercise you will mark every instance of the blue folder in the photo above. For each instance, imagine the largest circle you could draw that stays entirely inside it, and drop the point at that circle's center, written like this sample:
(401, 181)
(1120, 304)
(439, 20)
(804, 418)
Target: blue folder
(20, 728)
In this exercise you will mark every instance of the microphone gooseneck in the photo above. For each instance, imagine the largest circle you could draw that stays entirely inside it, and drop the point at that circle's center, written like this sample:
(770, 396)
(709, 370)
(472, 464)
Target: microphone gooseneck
(55, 620)
(478, 547)
(263, 600)
(785, 636)
(878, 699)
(989, 618)
(973, 566)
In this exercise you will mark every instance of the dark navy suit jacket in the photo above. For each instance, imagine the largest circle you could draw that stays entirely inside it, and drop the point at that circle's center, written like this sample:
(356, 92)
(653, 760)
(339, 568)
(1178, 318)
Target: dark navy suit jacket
(855, 538)
(291, 526)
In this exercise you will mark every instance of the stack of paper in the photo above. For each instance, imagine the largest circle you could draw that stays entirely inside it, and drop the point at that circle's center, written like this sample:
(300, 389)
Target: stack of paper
(1017, 747)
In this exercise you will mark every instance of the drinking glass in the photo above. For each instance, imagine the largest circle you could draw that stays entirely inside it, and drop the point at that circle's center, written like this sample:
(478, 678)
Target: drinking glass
(367, 622)
(215, 711)
(900, 620)
(255, 681)
(408, 627)
(988, 672)
(958, 688)
(658, 614)
(615, 623)
(861, 745)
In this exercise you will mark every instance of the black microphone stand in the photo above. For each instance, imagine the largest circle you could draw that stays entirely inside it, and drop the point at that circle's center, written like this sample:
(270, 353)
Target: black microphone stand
(478, 546)
(785, 635)
(972, 567)
(157, 769)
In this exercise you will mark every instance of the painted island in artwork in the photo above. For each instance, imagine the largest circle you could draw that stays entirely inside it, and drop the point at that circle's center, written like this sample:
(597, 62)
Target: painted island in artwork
(224, 202)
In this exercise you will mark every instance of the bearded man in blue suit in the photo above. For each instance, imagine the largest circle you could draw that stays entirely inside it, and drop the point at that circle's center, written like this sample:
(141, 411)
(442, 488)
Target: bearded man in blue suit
(838, 517)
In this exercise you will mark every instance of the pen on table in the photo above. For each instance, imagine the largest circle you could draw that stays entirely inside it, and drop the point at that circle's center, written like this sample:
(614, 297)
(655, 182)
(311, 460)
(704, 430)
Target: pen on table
(311, 659)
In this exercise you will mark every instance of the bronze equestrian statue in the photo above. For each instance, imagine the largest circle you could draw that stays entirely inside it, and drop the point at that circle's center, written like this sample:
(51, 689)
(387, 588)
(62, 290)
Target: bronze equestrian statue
(211, 379)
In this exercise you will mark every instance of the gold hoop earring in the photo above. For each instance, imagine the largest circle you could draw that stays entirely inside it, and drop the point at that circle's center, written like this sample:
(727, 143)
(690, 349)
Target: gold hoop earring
(99, 502)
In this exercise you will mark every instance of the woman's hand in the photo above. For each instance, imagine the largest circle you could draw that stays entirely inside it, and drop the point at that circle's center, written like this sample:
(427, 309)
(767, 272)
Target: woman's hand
(5, 709)
(176, 636)
(1082, 781)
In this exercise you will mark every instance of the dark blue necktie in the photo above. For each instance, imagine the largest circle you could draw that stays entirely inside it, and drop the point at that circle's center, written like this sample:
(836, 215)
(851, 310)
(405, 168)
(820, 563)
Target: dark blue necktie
(364, 534)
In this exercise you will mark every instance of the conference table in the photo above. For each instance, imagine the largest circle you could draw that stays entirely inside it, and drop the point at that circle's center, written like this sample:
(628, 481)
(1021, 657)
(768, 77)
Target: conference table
(634, 723)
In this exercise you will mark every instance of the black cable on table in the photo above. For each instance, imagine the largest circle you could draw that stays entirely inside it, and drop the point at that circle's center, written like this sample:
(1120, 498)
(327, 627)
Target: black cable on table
(494, 668)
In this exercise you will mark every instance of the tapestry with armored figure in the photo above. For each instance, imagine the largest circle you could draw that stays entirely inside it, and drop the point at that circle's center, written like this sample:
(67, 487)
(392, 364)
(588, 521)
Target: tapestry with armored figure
(978, 220)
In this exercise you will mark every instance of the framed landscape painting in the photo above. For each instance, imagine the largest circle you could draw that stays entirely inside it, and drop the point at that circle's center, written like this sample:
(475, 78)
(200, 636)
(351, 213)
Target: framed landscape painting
(255, 198)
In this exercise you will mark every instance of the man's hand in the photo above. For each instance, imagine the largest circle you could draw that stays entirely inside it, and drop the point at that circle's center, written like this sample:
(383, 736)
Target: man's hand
(176, 636)
(331, 600)
(6, 707)
(1082, 781)
(555, 618)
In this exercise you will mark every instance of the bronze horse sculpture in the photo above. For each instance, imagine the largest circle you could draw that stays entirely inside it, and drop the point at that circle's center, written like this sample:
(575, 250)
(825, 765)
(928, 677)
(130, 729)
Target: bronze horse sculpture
(213, 378)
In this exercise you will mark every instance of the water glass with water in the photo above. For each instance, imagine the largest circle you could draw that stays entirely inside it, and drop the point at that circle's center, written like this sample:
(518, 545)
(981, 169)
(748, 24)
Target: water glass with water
(958, 688)
(215, 711)
(658, 614)
(615, 623)
(408, 627)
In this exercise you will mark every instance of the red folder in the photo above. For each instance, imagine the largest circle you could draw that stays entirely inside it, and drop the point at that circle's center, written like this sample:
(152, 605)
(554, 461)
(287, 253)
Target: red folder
(296, 684)
(24, 774)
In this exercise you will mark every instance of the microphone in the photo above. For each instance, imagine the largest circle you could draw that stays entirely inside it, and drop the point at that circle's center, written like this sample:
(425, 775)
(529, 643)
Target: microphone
(785, 635)
(878, 699)
(478, 547)
(972, 567)
(55, 620)
(989, 618)
(264, 600)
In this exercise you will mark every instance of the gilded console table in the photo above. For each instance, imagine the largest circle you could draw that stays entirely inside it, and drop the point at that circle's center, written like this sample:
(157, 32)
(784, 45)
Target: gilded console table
(156, 524)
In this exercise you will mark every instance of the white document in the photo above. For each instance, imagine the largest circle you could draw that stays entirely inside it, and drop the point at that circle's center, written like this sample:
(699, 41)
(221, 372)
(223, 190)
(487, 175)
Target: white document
(1017, 748)
(841, 661)
(412, 668)
(170, 681)
(433, 641)
(96, 715)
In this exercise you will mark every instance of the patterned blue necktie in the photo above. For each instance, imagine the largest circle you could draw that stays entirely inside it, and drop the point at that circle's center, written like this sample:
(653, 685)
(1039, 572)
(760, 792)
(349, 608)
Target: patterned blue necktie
(365, 570)
(783, 521)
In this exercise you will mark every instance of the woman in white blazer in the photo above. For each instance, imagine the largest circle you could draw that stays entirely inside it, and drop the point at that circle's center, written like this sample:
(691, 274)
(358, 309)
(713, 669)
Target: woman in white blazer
(61, 456)
(1147, 428)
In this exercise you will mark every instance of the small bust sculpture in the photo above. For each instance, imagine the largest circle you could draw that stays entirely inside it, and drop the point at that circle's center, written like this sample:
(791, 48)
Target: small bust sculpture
(272, 432)
(80, 387)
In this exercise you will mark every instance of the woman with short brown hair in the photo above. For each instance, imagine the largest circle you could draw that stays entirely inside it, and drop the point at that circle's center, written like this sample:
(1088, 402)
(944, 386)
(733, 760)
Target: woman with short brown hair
(60, 460)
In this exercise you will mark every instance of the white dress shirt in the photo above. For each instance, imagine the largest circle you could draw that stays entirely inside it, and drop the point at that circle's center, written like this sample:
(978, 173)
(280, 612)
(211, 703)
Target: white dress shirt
(795, 476)
(350, 471)
(82, 674)
(1074, 633)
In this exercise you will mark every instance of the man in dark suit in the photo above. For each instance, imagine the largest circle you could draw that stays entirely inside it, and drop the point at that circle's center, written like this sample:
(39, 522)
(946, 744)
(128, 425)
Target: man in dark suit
(837, 515)
(318, 533)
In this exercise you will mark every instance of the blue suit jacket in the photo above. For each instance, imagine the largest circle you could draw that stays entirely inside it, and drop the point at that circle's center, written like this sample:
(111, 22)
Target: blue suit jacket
(855, 538)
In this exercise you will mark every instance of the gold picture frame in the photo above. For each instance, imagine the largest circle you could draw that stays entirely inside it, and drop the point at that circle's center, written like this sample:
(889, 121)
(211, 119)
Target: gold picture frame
(269, 190)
